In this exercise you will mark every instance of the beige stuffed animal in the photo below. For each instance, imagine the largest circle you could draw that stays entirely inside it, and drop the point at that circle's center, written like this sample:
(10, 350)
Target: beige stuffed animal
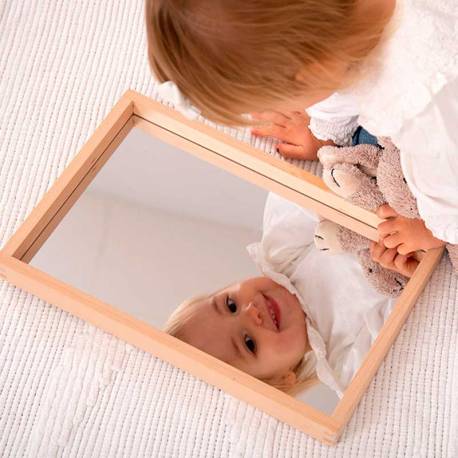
(368, 176)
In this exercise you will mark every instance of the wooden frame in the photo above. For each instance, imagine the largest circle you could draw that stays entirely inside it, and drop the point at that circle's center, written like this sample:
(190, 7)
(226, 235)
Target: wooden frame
(240, 159)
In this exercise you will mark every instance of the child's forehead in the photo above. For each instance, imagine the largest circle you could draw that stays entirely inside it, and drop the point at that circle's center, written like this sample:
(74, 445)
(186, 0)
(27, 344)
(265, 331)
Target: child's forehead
(246, 284)
(230, 287)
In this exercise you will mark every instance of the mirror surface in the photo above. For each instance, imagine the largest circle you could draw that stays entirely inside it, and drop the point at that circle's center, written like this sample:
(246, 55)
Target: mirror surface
(158, 226)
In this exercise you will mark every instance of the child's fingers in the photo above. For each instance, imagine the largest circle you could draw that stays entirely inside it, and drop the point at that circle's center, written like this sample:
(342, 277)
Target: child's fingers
(273, 116)
(393, 240)
(383, 256)
(387, 227)
(390, 259)
(268, 131)
(400, 260)
(385, 211)
(403, 249)
(387, 258)
(299, 117)
(405, 265)
(291, 151)
(376, 250)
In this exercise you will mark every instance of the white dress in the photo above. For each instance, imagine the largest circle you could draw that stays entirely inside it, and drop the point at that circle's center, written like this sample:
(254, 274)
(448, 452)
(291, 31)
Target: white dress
(410, 93)
(344, 313)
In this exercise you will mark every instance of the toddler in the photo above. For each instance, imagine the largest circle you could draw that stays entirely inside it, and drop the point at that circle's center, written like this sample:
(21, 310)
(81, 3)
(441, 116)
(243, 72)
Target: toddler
(310, 314)
(390, 66)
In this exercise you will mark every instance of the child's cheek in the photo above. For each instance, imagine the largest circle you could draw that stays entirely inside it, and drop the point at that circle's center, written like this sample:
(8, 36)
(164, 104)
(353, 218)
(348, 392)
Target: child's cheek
(295, 337)
(285, 340)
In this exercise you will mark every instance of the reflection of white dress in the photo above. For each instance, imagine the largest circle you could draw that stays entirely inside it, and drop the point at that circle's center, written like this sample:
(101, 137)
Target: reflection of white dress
(344, 313)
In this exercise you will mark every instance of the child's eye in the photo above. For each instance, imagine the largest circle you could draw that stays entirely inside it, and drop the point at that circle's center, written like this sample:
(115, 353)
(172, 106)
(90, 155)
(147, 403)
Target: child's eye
(249, 343)
(231, 305)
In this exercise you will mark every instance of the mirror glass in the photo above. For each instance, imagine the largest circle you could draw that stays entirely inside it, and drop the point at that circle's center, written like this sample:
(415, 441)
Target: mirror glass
(159, 227)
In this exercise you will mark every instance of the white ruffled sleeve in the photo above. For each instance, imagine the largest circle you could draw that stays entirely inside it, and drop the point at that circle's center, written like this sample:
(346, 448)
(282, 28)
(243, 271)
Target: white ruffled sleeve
(429, 160)
(335, 118)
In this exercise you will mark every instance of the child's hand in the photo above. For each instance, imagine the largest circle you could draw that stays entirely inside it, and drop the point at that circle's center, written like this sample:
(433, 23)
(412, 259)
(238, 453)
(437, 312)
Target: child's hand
(407, 235)
(296, 139)
(390, 259)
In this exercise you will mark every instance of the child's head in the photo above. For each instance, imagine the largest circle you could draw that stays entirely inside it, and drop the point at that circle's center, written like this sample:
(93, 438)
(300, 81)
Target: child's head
(231, 57)
(255, 325)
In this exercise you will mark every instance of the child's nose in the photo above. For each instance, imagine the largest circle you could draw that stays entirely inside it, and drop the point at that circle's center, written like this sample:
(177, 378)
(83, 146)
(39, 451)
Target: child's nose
(254, 314)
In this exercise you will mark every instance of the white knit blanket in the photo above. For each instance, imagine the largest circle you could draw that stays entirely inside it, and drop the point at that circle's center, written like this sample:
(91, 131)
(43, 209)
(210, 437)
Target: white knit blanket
(66, 388)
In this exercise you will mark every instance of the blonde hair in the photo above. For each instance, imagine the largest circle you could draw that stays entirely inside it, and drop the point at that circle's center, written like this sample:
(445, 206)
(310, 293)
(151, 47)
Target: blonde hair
(180, 316)
(234, 57)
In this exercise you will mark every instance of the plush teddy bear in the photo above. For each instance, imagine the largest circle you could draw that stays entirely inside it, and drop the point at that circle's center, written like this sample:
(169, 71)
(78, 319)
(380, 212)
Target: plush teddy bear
(368, 176)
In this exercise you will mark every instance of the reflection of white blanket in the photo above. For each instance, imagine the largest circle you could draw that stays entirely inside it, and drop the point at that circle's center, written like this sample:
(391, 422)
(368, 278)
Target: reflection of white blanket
(345, 313)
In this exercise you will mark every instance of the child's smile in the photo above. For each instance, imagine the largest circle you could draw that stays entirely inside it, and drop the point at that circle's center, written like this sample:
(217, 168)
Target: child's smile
(274, 311)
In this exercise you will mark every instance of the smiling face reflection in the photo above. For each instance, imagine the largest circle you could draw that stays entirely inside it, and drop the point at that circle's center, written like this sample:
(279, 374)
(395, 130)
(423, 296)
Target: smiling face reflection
(255, 325)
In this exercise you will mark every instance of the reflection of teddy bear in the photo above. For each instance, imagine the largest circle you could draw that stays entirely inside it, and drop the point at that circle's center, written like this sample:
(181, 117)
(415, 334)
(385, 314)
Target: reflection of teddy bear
(368, 176)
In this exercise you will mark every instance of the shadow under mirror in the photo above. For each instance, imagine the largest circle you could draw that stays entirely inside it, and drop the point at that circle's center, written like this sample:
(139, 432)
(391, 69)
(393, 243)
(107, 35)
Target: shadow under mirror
(220, 263)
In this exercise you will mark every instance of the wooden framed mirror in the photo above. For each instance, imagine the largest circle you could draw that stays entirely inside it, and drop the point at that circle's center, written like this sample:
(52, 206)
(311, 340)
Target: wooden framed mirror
(98, 245)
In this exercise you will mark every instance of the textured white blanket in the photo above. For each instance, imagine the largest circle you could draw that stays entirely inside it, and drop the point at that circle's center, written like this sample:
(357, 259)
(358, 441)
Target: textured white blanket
(67, 389)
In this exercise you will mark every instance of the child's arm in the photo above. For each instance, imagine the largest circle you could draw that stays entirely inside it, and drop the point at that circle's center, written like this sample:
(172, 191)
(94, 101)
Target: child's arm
(330, 121)
(292, 129)
(406, 235)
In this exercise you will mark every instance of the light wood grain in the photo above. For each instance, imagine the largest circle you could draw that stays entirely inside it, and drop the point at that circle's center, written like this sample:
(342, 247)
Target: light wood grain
(54, 199)
(76, 193)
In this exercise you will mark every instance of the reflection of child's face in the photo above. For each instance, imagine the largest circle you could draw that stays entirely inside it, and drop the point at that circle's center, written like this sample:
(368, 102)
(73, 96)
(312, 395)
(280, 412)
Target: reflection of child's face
(256, 325)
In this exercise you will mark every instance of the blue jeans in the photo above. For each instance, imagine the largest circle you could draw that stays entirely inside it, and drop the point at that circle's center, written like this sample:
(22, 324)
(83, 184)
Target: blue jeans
(362, 136)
